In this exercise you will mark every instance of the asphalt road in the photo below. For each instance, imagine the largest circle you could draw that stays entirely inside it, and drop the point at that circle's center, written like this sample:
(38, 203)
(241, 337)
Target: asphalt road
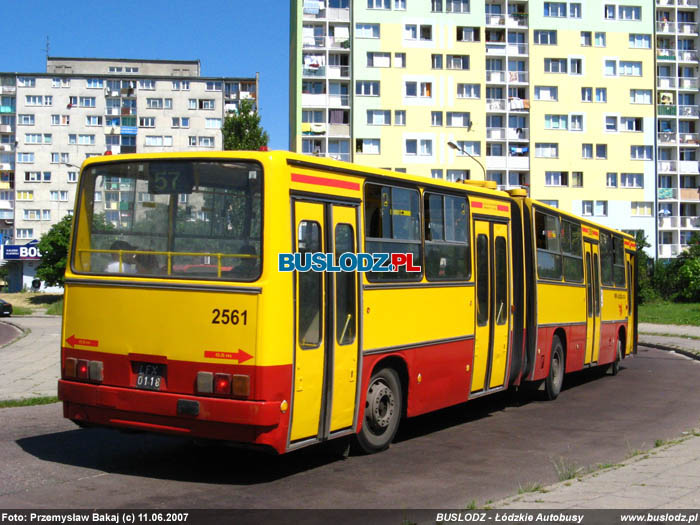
(480, 451)
(8, 332)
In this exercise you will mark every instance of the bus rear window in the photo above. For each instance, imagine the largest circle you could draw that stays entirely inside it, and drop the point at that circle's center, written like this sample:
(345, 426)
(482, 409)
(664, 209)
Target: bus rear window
(171, 219)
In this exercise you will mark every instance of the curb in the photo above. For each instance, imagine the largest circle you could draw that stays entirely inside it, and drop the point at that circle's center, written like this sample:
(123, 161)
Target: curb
(668, 348)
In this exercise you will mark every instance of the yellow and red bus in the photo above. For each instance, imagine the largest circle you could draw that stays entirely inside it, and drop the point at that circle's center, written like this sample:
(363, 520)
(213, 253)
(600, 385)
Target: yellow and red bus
(177, 319)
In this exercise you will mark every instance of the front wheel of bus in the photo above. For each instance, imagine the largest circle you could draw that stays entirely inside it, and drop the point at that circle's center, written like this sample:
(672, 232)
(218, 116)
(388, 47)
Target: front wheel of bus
(615, 365)
(556, 370)
(382, 411)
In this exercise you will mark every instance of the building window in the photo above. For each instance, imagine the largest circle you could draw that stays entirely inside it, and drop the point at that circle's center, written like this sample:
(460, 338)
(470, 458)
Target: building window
(555, 65)
(458, 119)
(436, 118)
(377, 59)
(640, 41)
(547, 150)
(550, 93)
(468, 34)
(600, 39)
(378, 4)
(378, 117)
(601, 95)
(587, 208)
(457, 62)
(473, 148)
(601, 208)
(574, 10)
(641, 209)
(586, 94)
(626, 12)
(366, 30)
(556, 122)
(556, 178)
(367, 88)
(609, 12)
(468, 91)
(576, 122)
(640, 96)
(400, 60)
(577, 179)
(632, 180)
(632, 124)
(611, 180)
(601, 151)
(576, 66)
(555, 9)
(630, 69)
(399, 117)
(457, 6)
(641, 152)
(586, 39)
(436, 61)
(367, 146)
(147, 122)
(611, 124)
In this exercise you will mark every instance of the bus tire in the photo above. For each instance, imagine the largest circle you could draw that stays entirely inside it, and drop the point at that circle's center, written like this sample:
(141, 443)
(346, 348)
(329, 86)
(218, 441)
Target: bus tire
(383, 409)
(615, 365)
(552, 385)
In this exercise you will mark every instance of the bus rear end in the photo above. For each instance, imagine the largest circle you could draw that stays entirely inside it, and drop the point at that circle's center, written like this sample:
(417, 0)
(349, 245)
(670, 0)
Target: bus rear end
(162, 298)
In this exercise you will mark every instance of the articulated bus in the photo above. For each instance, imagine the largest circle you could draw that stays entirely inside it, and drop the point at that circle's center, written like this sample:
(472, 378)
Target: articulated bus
(178, 318)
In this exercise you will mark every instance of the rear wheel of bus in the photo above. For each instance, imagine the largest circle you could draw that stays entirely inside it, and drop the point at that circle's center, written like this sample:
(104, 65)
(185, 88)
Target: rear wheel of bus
(383, 408)
(555, 379)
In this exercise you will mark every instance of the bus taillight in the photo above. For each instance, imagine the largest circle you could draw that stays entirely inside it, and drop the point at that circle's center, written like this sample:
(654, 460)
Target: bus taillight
(84, 370)
(222, 384)
(241, 385)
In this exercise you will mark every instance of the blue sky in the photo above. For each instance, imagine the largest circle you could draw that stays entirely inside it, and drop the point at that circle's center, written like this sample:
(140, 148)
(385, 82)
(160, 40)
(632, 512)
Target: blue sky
(234, 38)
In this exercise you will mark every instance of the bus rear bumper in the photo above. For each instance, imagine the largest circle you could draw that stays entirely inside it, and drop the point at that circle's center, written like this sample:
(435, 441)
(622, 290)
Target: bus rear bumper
(254, 422)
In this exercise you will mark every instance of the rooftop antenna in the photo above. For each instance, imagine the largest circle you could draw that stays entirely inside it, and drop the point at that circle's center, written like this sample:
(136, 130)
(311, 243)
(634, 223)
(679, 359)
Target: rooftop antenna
(48, 47)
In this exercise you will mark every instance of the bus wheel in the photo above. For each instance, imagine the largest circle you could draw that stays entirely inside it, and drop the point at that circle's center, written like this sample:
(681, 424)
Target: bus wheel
(382, 411)
(552, 384)
(615, 365)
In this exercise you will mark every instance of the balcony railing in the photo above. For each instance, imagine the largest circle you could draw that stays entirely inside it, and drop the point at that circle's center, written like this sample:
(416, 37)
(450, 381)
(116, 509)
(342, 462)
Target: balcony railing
(667, 193)
(8, 90)
(689, 138)
(687, 3)
(687, 83)
(688, 56)
(690, 222)
(8, 109)
(669, 250)
(665, 27)
(495, 48)
(323, 100)
(517, 76)
(496, 76)
(667, 137)
(666, 54)
(688, 111)
(663, 3)
(495, 20)
(668, 222)
(666, 109)
(314, 72)
(689, 194)
(667, 166)
(665, 82)
(517, 20)
(689, 167)
(5, 128)
(517, 49)
(688, 28)
(7, 147)
(518, 134)
(495, 133)
(338, 71)
(495, 104)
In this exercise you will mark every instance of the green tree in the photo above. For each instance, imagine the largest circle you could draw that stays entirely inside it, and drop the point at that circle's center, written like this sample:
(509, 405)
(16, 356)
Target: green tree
(54, 252)
(242, 130)
(645, 265)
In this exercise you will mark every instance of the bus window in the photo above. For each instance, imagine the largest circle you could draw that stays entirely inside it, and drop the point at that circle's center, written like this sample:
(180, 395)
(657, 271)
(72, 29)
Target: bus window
(446, 239)
(571, 250)
(606, 259)
(310, 288)
(482, 277)
(618, 262)
(392, 225)
(501, 264)
(548, 251)
(345, 307)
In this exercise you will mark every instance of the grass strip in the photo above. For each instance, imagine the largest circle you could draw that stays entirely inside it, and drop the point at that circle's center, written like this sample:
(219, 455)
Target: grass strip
(32, 401)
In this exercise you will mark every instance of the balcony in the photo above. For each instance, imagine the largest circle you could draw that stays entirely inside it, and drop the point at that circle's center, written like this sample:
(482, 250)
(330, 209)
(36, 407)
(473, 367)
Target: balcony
(669, 250)
(690, 222)
(665, 27)
(517, 49)
(310, 100)
(495, 20)
(688, 111)
(340, 156)
(667, 166)
(6, 166)
(687, 83)
(495, 133)
(665, 82)
(687, 3)
(666, 54)
(688, 56)
(5, 128)
(517, 77)
(338, 43)
(495, 49)
(690, 194)
(496, 163)
(8, 109)
(519, 104)
(7, 147)
(687, 28)
(667, 137)
(338, 71)
(8, 90)
(339, 130)
(517, 20)
(519, 163)
(664, 3)
(688, 167)
(316, 42)
(666, 223)
(518, 134)
(495, 104)
(667, 193)
(689, 138)
(7, 205)
(314, 72)
(496, 77)
(666, 109)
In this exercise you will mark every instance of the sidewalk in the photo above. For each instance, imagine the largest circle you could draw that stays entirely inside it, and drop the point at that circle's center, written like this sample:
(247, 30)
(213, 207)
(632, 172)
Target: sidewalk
(31, 364)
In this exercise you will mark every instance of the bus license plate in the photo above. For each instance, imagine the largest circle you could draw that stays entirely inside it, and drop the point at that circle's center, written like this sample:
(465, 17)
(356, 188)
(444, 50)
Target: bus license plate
(150, 376)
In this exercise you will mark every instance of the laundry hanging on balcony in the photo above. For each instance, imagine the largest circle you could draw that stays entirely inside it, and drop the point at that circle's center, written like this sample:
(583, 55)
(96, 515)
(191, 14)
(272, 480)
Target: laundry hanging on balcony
(313, 7)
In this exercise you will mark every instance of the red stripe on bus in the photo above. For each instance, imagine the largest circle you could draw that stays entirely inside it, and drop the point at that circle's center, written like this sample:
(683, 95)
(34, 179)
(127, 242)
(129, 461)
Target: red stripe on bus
(502, 207)
(323, 181)
(477, 204)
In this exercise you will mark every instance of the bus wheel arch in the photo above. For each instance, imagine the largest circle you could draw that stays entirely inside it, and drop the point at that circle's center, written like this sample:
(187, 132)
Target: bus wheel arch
(384, 405)
(557, 365)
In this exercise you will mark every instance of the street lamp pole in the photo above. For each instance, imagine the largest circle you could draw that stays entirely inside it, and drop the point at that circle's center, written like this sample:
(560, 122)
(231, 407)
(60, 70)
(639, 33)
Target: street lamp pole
(465, 152)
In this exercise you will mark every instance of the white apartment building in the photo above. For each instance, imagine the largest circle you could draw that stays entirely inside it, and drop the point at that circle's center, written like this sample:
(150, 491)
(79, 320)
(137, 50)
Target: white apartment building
(51, 122)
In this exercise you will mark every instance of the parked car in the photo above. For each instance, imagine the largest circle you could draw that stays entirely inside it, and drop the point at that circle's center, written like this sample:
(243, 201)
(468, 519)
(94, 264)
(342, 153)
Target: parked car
(5, 308)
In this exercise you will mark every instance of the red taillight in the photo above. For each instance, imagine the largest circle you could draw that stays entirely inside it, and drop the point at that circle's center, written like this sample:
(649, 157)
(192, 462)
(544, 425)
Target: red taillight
(82, 369)
(71, 365)
(222, 384)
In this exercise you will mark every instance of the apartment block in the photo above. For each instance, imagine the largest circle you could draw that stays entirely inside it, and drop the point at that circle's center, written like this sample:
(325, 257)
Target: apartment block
(80, 107)
(558, 98)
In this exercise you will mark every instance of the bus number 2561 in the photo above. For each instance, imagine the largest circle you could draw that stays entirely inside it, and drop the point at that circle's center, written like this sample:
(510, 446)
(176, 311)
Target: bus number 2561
(226, 316)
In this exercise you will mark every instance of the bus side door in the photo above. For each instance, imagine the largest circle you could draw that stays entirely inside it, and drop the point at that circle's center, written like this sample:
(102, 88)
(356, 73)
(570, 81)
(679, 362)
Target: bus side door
(492, 304)
(593, 297)
(631, 298)
(326, 348)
